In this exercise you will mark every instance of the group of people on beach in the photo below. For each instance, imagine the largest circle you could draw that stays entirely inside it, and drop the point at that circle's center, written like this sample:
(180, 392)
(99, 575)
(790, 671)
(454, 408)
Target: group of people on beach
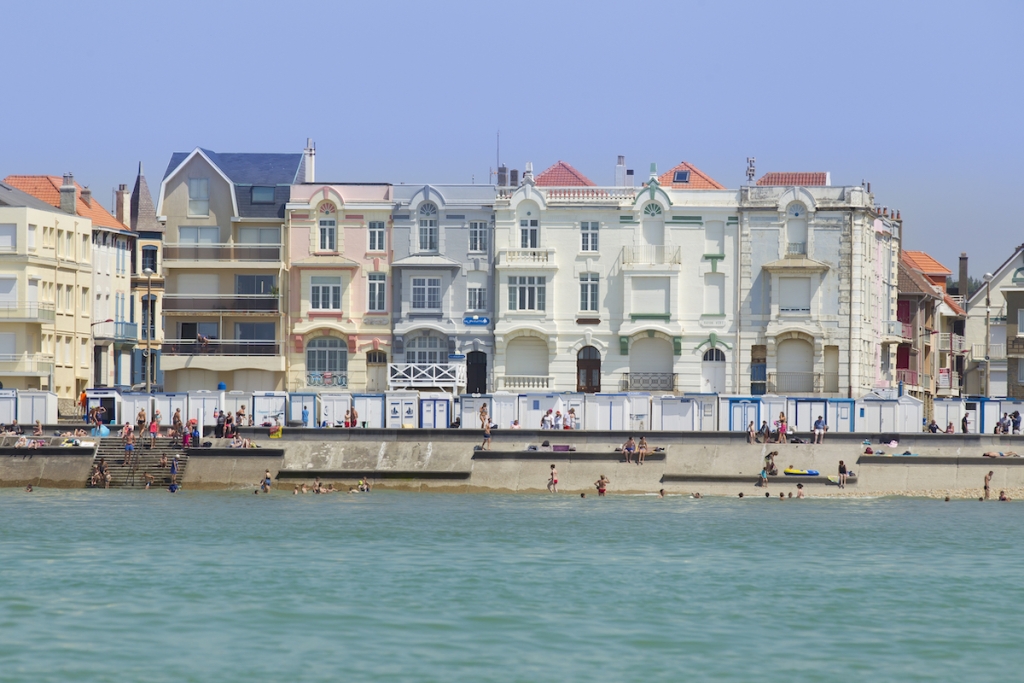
(782, 432)
(641, 450)
(364, 485)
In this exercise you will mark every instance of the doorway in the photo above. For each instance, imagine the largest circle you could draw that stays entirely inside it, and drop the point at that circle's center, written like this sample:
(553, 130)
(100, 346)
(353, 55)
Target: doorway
(376, 371)
(476, 372)
(588, 370)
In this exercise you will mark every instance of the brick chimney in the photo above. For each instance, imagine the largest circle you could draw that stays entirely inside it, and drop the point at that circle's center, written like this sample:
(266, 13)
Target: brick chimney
(87, 196)
(67, 195)
(961, 288)
(122, 204)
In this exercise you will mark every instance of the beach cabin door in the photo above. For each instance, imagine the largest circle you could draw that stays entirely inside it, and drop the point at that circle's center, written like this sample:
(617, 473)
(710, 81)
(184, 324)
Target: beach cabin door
(743, 413)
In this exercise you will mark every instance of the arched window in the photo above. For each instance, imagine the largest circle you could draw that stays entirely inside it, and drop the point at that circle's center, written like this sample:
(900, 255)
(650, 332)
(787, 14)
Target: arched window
(428, 227)
(425, 349)
(328, 227)
(148, 259)
(588, 370)
(796, 229)
(652, 209)
(714, 355)
(653, 225)
(326, 354)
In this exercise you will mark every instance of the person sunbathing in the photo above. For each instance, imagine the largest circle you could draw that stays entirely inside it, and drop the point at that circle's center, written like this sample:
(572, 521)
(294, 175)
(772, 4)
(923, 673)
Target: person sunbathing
(999, 454)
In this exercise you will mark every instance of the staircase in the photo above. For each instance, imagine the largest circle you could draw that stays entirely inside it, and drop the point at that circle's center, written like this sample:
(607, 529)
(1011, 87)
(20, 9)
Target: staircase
(144, 460)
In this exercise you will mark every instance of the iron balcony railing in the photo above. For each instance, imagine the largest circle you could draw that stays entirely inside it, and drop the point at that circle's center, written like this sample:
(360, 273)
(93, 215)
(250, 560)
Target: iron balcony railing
(218, 347)
(426, 375)
(184, 251)
(803, 382)
(524, 382)
(796, 248)
(27, 310)
(907, 376)
(651, 255)
(649, 381)
(326, 379)
(228, 303)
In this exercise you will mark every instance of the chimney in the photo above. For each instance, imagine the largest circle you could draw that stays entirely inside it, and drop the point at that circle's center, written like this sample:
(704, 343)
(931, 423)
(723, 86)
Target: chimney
(654, 171)
(309, 156)
(961, 288)
(502, 175)
(620, 172)
(629, 177)
(87, 196)
(123, 204)
(513, 177)
(528, 173)
(67, 195)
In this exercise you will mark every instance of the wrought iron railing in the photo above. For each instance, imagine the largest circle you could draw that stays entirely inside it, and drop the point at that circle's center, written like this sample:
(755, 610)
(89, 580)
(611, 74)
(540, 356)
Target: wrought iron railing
(907, 376)
(217, 347)
(241, 303)
(326, 379)
(649, 381)
(184, 251)
(651, 255)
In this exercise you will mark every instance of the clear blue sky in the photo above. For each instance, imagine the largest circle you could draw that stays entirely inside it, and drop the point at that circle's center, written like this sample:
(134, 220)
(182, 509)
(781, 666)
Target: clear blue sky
(921, 99)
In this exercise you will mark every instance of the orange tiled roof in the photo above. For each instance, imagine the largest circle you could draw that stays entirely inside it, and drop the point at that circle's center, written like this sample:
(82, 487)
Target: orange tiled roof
(47, 189)
(808, 179)
(698, 179)
(562, 174)
(952, 304)
(924, 263)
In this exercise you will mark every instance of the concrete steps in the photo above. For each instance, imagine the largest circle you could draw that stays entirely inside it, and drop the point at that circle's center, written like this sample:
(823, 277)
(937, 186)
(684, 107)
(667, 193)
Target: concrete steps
(144, 460)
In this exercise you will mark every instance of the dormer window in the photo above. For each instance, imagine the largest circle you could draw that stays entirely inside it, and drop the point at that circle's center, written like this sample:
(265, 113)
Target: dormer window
(681, 177)
(428, 228)
(328, 228)
(198, 196)
(652, 209)
(262, 195)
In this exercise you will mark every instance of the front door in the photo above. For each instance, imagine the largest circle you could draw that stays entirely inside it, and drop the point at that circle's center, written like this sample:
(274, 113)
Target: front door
(588, 370)
(376, 371)
(476, 372)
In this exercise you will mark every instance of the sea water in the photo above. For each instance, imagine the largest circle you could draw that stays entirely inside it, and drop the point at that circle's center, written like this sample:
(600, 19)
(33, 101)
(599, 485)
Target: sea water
(230, 586)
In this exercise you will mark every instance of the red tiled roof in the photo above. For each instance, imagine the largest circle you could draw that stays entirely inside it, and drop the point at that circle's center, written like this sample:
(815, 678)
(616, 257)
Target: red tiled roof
(698, 179)
(952, 304)
(808, 179)
(924, 263)
(562, 175)
(47, 189)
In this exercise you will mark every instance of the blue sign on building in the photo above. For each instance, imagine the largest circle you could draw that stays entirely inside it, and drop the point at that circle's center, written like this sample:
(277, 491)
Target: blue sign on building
(476, 320)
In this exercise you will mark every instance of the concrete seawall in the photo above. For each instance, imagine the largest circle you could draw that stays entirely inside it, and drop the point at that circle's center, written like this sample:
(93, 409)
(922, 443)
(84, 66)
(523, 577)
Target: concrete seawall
(445, 460)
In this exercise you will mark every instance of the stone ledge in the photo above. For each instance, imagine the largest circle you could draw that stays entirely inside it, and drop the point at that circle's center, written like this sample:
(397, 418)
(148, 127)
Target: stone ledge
(372, 474)
(570, 456)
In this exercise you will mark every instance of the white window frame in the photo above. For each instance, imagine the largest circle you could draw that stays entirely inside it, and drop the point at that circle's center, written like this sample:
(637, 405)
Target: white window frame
(328, 237)
(320, 289)
(588, 235)
(429, 235)
(527, 293)
(426, 291)
(376, 289)
(426, 351)
(476, 298)
(31, 237)
(375, 236)
(198, 196)
(478, 236)
(529, 233)
(589, 292)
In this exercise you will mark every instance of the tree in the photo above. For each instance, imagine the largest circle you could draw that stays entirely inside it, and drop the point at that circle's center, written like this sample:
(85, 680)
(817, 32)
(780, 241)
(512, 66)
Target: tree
(973, 285)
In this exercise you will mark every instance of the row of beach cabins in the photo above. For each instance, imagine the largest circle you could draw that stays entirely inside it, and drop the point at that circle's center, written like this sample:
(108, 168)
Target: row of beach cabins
(633, 411)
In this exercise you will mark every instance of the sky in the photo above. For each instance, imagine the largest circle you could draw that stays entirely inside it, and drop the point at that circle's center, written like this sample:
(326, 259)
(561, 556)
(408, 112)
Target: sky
(921, 99)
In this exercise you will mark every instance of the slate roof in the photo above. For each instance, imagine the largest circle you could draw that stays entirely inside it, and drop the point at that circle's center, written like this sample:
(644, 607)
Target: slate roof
(925, 263)
(47, 188)
(143, 213)
(249, 168)
(815, 179)
(698, 180)
(562, 174)
(12, 196)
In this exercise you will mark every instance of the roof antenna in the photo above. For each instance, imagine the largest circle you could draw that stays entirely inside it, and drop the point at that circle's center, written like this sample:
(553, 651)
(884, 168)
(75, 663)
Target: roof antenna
(497, 159)
(750, 169)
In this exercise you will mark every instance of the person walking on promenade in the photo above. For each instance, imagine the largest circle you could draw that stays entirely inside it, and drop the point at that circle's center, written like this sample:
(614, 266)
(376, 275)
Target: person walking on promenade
(221, 421)
(819, 430)
(548, 420)
(553, 480)
(486, 445)
(764, 432)
(485, 419)
(570, 419)
(842, 474)
(602, 485)
(305, 416)
(355, 418)
(751, 433)
(783, 428)
(988, 484)
(963, 424)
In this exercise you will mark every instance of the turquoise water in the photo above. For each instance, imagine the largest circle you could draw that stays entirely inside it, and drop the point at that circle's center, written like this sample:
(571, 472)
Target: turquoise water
(228, 586)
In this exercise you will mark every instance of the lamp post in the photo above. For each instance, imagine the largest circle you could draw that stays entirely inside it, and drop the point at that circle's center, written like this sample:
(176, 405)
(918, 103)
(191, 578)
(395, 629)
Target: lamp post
(988, 333)
(149, 309)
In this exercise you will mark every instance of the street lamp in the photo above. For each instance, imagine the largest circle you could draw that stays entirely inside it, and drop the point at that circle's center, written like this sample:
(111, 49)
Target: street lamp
(988, 332)
(149, 309)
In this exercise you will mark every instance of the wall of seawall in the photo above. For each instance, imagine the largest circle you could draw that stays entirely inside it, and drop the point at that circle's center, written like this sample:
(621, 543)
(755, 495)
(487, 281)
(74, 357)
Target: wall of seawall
(50, 467)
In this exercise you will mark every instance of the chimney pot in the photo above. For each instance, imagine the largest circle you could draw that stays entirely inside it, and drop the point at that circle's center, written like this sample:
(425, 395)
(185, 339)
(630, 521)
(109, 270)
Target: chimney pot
(68, 193)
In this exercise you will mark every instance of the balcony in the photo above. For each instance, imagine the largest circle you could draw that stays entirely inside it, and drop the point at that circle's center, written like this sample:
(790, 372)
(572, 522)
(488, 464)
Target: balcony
(119, 331)
(648, 381)
(579, 195)
(326, 379)
(952, 342)
(895, 331)
(907, 376)
(26, 312)
(25, 365)
(190, 255)
(791, 383)
(948, 381)
(223, 303)
(796, 249)
(222, 355)
(420, 375)
(651, 255)
(527, 258)
(995, 351)
(520, 382)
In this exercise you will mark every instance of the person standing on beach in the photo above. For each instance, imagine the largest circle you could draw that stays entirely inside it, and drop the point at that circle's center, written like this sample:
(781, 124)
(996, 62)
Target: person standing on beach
(988, 484)
(154, 429)
(355, 418)
(751, 433)
(305, 416)
(553, 480)
(842, 474)
(601, 484)
(486, 445)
